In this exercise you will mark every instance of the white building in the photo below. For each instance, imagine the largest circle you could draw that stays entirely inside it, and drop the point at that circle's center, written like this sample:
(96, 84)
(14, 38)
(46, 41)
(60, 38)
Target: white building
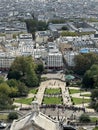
(26, 44)
(54, 60)
(69, 57)
(40, 53)
(5, 61)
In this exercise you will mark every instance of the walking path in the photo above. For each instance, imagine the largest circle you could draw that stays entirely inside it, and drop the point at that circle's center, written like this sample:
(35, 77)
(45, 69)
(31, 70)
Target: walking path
(40, 93)
(54, 84)
(65, 94)
(81, 95)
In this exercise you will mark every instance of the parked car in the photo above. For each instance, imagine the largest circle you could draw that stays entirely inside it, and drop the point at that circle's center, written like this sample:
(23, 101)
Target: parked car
(2, 125)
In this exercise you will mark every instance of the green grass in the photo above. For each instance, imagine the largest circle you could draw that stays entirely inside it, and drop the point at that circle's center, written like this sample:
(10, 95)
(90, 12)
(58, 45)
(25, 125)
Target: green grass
(86, 95)
(53, 91)
(96, 128)
(3, 116)
(24, 100)
(52, 100)
(93, 119)
(72, 91)
(80, 100)
(33, 91)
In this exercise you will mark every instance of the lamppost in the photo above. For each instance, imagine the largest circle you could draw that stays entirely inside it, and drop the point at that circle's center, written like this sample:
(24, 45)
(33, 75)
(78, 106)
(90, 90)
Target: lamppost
(80, 92)
(83, 101)
(57, 113)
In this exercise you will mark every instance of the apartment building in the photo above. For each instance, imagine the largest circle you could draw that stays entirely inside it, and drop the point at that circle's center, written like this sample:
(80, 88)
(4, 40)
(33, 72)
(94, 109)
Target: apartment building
(54, 61)
(5, 61)
(69, 57)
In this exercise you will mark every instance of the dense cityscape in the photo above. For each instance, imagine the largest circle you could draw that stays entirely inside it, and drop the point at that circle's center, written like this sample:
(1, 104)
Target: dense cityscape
(49, 64)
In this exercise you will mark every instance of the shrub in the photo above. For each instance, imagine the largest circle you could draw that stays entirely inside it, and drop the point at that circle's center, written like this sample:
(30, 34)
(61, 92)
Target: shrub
(84, 118)
(12, 116)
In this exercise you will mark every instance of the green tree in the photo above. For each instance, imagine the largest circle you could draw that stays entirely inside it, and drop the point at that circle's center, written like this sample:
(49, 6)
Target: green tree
(94, 99)
(22, 89)
(83, 62)
(94, 94)
(64, 28)
(12, 82)
(4, 88)
(90, 77)
(84, 118)
(14, 92)
(32, 79)
(1, 79)
(40, 68)
(13, 74)
(35, 25)
(88, 81)
(5, 101)
(26, 69)
(13, 115)
(17, 88)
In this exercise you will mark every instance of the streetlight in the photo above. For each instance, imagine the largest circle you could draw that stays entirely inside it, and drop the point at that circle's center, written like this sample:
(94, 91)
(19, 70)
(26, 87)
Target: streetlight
(83, 101)
(58, 113)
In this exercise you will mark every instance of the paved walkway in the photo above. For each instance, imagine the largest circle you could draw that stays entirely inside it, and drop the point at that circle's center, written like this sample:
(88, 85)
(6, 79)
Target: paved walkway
(54, 84)
(80, 95)
(65, 94)
(40, 93)
(58, 75)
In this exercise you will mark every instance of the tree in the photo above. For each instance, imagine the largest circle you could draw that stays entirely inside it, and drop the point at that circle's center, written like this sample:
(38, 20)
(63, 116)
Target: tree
(32, 79)
(12, 82)
(26, 68)
(17, 88)
(14, 92)
(13, 74)
(40, 68)
(64, 28)
(35, 25)
(88, 81)
(1, 79)
(5, 101)
(94, 99)
(4, 88)
(83, 62)
(22, 89)
(90, 78)
(94, 94)
(84, 118)
(13, 115)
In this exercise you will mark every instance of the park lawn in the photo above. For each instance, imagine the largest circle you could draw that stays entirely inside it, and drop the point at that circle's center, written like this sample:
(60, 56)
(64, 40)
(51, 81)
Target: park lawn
(72, 91)
(52, 91)
(80, 100)
(33, 90)
(3, 116)
(96, 128)
(24, 100)
(93, 119)
(86, 95)
(52, 100)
